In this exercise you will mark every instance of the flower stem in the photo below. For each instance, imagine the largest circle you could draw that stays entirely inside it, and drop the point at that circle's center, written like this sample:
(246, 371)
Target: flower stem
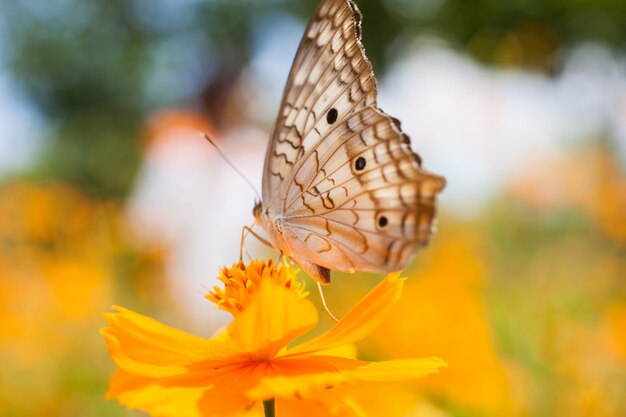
(270, 408)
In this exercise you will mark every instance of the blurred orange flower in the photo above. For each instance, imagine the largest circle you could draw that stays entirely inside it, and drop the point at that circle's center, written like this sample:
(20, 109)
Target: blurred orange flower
(591, 179)
(167, 372)
(61, 254)
(452, 320)
(616, 318)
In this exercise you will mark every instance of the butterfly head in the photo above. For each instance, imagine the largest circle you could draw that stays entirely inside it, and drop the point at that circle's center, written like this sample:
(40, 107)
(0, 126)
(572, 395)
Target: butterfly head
(257, 210)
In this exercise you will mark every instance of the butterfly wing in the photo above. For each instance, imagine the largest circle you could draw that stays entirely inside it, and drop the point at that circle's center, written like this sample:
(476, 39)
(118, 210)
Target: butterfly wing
(369, 206)
(325, 73)
(339, 172)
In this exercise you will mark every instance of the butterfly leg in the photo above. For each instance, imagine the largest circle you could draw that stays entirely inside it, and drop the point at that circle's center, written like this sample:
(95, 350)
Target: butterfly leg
(324, 305)
(281, 256)
(244, 232)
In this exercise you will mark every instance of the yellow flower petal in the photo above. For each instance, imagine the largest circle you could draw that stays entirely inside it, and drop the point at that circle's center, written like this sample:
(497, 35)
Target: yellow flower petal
(144, 346)
(123, 361)
(303, 385)
(398, 370)
(300, 386)
(161, 400)
(219, 395)
(274, 317)
(300, 375)
(343, 351)
(360, 320)
(318, 407)
(311, 365)
(227, 396)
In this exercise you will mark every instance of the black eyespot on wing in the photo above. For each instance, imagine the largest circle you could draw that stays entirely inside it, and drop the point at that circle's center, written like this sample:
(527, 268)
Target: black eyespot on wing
(360, 163)
(383, 221)
(331, 116)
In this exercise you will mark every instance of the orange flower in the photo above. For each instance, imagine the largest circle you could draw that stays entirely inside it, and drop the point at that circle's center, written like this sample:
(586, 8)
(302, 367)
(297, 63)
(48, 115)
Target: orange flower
(240, 282)
(167, 372)
(452, 315)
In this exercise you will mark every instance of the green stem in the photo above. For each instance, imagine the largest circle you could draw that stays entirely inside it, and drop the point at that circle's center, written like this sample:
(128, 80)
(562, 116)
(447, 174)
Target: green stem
(270, 408)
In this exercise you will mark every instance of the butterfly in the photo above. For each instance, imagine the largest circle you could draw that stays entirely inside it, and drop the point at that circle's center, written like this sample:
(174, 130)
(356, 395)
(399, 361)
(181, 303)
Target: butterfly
(342, 189)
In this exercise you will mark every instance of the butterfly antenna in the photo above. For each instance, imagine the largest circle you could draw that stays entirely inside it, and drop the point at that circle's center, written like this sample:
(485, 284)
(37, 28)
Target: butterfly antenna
(332, 316)
(220, 153)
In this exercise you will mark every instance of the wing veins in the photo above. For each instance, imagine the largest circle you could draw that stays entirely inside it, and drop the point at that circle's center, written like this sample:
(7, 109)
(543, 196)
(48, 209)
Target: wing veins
(337, 245)
(356, 177)
(284, 101)
(318, 52)
(306, 156)
(335, 186)
(349, 200)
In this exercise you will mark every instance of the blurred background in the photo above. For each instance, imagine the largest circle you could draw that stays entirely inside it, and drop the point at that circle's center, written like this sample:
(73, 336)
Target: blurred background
(109, 196)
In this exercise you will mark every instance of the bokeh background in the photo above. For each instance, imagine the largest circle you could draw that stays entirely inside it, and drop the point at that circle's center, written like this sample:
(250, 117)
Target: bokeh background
(109, 196)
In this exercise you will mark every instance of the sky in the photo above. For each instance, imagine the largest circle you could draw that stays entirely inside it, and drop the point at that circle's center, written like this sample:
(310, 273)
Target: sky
(21, 126)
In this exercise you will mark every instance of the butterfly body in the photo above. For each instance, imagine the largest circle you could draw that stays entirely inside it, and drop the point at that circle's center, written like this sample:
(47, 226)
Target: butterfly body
(342, 189)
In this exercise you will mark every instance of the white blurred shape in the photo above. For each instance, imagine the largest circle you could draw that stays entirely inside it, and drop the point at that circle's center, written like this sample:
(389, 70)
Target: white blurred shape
(188, 199)
(191, 200)
(481, 127)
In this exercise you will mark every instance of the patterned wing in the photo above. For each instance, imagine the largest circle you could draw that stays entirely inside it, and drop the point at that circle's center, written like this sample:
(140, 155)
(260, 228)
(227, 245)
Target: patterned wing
(330, 79)
(340, 178)
(359, 199)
